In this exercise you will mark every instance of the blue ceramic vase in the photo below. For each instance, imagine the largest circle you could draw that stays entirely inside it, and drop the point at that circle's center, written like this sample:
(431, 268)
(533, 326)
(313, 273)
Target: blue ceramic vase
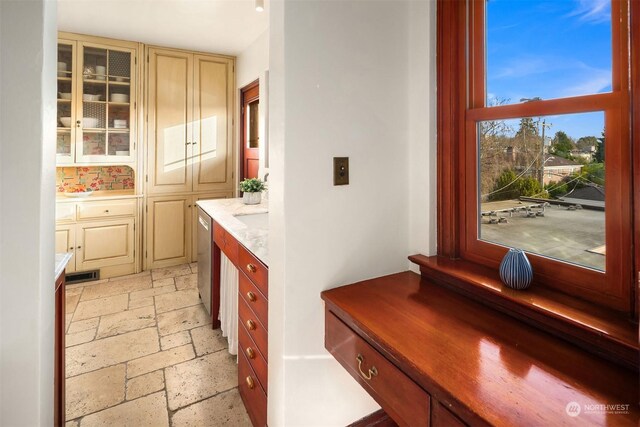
(515, 269)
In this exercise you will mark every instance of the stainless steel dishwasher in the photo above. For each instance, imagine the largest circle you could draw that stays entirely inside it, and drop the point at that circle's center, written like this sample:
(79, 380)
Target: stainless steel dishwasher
(205, 239)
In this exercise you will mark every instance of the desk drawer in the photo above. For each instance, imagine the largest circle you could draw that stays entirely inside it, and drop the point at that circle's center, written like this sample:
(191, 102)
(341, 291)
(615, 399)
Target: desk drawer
(399, 396)
(226, 242)
(106, 209)
(257, 362)
(254, 398)
(255, 329)
(254, 269)
(254, 299)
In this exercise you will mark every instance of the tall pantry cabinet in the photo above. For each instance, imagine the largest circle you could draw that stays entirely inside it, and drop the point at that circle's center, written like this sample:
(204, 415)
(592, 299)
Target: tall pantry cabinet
(189, 156)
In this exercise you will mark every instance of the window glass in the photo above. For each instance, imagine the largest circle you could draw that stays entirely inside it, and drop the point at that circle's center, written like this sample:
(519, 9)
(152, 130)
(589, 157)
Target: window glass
(547, 49)
(542, 186)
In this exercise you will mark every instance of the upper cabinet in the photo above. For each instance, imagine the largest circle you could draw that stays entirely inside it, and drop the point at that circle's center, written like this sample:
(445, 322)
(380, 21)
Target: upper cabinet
(97, 92)
(189, 129)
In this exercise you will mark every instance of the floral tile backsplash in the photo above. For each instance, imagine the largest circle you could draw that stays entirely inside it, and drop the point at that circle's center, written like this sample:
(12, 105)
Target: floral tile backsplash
(96, 178)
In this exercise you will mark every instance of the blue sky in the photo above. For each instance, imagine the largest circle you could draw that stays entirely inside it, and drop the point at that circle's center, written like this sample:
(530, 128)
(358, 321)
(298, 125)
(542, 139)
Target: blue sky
(550, 49)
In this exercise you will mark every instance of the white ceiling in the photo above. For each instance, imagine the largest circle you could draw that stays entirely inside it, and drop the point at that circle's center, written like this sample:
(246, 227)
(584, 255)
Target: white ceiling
(218, 26)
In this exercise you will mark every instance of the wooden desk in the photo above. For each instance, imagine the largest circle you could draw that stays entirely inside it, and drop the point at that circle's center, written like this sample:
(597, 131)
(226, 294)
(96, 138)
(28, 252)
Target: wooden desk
(469, 364)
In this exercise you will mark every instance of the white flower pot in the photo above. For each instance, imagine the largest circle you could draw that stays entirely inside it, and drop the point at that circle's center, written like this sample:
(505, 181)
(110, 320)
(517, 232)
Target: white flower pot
(252, 198)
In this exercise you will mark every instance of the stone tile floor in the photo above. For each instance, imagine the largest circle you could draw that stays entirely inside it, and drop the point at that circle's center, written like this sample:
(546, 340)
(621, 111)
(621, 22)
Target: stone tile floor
(141, 352)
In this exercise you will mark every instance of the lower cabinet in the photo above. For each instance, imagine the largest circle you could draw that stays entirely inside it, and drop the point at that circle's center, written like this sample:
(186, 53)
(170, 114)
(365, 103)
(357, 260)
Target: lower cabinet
(100, 235)
(171, 229)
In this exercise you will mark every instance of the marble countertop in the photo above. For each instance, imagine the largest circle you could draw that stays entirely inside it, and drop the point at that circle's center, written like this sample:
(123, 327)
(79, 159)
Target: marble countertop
(61, 262)
(99, 195)
(225, 211)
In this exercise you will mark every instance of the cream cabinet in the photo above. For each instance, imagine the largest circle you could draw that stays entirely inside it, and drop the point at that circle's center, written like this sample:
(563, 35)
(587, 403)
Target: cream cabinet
(190, 123)
(100, 234)
(171, 229)
(97, 92)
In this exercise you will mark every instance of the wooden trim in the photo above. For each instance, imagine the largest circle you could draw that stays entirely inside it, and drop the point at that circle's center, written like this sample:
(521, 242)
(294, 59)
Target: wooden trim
(603, 332)
(59, 353)
(375, 419)
(248, 93)
(635, 138)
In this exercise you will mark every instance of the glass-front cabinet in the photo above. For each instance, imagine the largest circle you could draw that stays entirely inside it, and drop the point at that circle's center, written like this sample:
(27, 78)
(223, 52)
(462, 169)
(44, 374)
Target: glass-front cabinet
(96, 103)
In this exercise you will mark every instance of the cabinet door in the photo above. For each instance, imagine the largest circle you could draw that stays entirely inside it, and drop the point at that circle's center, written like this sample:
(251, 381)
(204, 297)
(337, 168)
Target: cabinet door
(66, 105)
(104, 243)
(194, 218)
(213, 110)
(168, 231)
(105, 94)
(169, 129)
(66, 242)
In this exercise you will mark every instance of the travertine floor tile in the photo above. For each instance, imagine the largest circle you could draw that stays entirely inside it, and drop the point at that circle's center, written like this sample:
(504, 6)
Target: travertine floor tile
(73, 423)
(115, 288)
(95, 391)
(83, 325)
(110, 351)
(126, 321)
(183, 319)
(159, 360)
(169, 281)
(72, 292)
(145, 384)
(207, 340)
(100, 307)
(175, 340)
(85, 285)
(176, 300)
(178, 270)
(67, 321)
(131, 276)
(151, 292)
(140, 302)
(200, 378)
(79, 338)
(225, 409)
(187, 282)
(71, 302)
(194, 267)
(149, 411)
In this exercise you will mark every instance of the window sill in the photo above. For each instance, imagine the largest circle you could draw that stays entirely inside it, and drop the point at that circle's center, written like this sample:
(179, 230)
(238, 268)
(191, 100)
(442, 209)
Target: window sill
(604, 332)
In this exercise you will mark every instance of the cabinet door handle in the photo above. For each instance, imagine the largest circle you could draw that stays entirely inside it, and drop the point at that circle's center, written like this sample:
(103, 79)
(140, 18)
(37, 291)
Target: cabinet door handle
(251, 268)
(194, 142)
(106, 211)
(251, 325)
(250, 353)
(78, 123)
(79, 247)
(250, 383)
(372, 371)
(187, 143)
(71, 248)
(251, 296)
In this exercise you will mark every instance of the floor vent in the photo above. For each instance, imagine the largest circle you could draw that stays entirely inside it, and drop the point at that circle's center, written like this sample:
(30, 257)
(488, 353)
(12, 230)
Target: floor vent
(83, 276)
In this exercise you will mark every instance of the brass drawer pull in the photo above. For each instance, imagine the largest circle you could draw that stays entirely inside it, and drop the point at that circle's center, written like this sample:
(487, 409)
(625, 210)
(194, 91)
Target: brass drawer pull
(250, 353)
(251, 296)
(373, 372)
(250, 383)
(251, 325)
(251, 268)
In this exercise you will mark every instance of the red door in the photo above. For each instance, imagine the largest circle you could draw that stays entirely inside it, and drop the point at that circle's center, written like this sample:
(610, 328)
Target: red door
(250, 131)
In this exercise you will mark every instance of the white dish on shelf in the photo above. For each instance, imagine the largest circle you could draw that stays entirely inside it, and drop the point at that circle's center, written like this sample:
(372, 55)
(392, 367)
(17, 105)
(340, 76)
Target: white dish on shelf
(120, 124)
(64, 95)
(66, 122)
(89, 122)
(119, 97)
(89, 97)
(122, 153)
(78, 194)
(120, 79)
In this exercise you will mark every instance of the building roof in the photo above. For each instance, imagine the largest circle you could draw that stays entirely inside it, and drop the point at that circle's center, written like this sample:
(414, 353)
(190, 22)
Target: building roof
(591, 192)
(550, 160)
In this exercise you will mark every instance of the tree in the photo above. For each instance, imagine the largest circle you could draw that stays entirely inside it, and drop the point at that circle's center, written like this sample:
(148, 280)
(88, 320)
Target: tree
(506, 186)
(562, 144)
(599, 156)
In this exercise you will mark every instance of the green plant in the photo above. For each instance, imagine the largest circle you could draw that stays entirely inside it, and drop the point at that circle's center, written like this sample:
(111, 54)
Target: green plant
(252, 185)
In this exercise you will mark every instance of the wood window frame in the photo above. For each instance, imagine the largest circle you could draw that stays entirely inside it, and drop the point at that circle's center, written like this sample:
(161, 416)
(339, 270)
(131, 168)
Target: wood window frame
(460, 72)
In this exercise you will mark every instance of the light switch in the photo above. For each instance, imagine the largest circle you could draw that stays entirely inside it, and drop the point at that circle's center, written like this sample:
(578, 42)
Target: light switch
(340, 171)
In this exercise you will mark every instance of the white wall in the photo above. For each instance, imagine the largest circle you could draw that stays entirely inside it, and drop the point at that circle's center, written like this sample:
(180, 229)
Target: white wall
(27, 170)
(340, 76)
(253, 64)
